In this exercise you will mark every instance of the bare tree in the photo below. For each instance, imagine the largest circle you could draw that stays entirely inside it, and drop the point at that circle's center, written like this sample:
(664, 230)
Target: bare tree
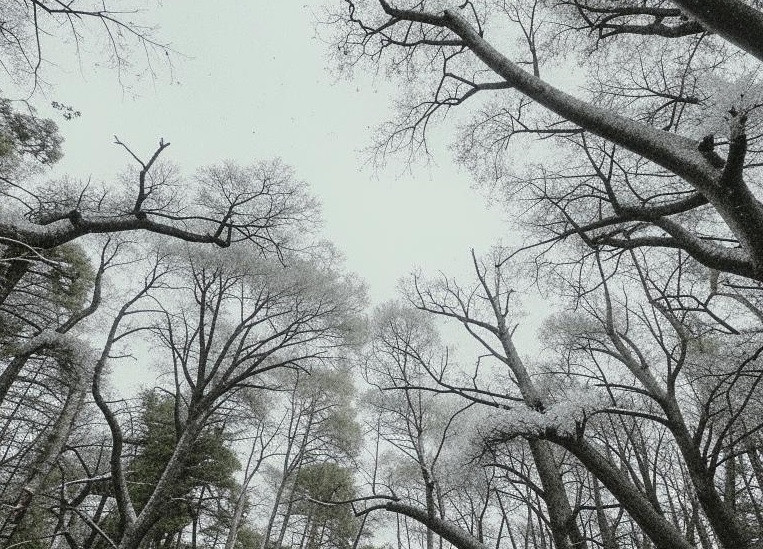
(251, 318)
(451, 51)
(485, 311)
(409, 416)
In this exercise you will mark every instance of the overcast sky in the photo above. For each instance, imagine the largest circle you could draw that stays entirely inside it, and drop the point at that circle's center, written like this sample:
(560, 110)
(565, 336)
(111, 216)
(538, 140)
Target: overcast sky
(252, 81)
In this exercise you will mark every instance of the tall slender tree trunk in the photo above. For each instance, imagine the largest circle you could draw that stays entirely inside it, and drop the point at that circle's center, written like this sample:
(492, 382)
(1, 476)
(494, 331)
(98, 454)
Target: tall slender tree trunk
(608, 538)
(732, 534)
(238, 513)
(564, 528)
(273, 513)
(359, 534)
(51, 450)
(429, 496)
(661, 532)
(285, 522)
(135, 531)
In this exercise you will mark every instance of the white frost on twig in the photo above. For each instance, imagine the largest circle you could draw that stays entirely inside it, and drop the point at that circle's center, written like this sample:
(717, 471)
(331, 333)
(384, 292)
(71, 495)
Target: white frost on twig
(11, 220)
(78, 351)
(561, 416)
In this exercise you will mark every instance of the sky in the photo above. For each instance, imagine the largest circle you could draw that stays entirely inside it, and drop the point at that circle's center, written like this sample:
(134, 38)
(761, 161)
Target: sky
(251, 80)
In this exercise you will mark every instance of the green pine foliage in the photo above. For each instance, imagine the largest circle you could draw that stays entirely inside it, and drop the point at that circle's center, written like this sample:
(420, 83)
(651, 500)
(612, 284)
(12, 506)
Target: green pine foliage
(329, 525)
(209, 465)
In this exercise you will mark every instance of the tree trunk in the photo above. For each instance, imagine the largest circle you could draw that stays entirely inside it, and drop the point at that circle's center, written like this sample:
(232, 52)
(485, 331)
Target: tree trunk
(563, 526)
(238, 513)
(429, 494)
(273, 513)
(564, 529)
(285, 522)
(608, 538)
(359, 535)
(661, 532)
(137, 530)
(47, 459)
(731, 533)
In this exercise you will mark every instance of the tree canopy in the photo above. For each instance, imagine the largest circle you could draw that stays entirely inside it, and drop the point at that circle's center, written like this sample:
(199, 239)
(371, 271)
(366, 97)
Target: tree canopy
(278, 409)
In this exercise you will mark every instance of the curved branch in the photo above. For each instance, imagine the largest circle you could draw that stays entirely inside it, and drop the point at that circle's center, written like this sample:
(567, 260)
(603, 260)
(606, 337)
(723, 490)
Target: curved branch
(734, 20)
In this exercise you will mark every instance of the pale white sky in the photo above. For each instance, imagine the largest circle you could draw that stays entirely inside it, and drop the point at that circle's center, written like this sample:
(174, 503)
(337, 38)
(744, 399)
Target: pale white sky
(252, 81)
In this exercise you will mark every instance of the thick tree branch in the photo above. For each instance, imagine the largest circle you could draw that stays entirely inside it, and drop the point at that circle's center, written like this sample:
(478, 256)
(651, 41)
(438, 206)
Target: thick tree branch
(736, 21)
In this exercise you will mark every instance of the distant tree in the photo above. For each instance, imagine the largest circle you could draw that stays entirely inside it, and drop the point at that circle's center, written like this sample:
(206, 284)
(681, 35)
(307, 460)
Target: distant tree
(325, 525)
(405, 407)
(319, 425)
(262, 428)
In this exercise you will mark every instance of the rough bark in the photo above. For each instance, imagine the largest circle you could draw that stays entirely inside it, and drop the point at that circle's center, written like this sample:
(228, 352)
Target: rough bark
(660, 531)
(732, 534)
(136, 530)
(563, 526)
(458, 537)
(564, 529)
(735, 21)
